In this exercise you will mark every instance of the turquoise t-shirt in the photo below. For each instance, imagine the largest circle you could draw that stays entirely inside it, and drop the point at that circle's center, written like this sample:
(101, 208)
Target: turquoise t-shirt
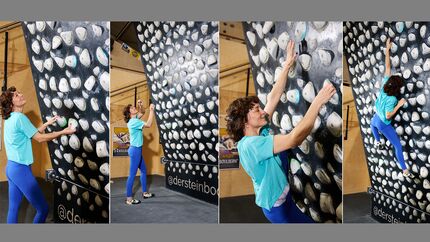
(18, 131)
(264, 167)
(135, 127)
(385, 103)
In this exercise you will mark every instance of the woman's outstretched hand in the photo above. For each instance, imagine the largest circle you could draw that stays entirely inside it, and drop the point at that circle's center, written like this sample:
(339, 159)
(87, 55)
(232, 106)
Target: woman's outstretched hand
(325, 94)
(151, 107)
(388, 44)
(402, 101)
(139, 103)
(291, 55)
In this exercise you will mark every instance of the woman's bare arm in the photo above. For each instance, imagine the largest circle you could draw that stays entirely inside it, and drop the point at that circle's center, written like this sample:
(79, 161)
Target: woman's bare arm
(304, 127)
(389, 115)
(52, 120)
(151, 116)
(44, 137)
(387, 58)
(279, 87)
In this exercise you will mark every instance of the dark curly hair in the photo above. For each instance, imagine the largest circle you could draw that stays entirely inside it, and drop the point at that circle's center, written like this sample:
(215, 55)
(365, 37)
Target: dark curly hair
(237, 116)
(393, 85)
(6, 102)
(126, 113)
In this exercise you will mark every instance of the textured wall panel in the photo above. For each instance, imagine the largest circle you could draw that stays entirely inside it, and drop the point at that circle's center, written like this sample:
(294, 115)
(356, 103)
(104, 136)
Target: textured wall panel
(70, 66)
(315, 173)
(181, 63)
(397, 199)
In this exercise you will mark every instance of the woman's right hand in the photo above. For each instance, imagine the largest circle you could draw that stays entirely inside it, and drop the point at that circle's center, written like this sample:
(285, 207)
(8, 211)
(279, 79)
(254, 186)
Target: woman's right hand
(388, 44)
(325, 94)
(69, 130)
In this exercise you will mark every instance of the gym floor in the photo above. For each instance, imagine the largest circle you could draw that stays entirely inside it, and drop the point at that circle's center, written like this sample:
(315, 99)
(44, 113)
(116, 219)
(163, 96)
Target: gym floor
(357, 208)
(166, 207)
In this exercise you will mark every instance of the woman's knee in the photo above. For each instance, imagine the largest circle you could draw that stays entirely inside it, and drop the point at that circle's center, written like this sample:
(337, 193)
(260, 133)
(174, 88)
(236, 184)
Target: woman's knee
(398, 149)
(13, 207)
(130, 178)
(397, 145)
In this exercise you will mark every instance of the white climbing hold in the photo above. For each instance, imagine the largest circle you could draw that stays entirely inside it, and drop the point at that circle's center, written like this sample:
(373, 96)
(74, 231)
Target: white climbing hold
(334, 124)
(101, 149)
(309, 92)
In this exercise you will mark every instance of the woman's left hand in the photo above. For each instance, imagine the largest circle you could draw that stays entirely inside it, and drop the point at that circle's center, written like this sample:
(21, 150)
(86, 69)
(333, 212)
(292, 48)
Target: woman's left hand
(139, 103)
(52, 120)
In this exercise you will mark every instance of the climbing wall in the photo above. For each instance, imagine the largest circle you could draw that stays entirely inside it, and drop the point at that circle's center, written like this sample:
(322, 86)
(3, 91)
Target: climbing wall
(181, 62)
(395, 199)
(70, 66)
(315, 173)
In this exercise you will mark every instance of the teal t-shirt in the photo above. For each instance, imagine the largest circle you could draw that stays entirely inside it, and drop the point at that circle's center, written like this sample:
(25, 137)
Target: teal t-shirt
(385, 103)
(264, 167)
(18, 131)
(135, 127)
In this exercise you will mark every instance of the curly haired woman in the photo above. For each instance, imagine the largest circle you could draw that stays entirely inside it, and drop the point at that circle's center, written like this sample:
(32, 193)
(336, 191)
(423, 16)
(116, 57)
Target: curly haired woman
(132, 116)
(386, 107)
(18, 132)
(260, 151)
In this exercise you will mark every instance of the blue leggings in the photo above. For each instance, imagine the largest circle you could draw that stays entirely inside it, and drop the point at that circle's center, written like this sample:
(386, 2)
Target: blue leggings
(288, 211)
(136, 162)
(22, 183)
(388, 131)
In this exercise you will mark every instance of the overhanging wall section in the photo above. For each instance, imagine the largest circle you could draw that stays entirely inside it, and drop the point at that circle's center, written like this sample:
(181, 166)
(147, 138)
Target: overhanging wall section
(315, 174)
(394, 197)
(70, 66)
(181, 62)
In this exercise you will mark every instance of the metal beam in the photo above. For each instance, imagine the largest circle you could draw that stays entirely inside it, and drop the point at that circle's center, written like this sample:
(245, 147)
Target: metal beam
(122, 31)
(233, 38)
(127, 69)
(247, 81)
(127, 88)
(10, 26)
(347, 123)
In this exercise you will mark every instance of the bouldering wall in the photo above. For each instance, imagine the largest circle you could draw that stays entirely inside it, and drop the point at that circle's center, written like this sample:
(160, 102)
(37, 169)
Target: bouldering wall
(395, 199)
(181, 62)
(70, 66)
(315, 173)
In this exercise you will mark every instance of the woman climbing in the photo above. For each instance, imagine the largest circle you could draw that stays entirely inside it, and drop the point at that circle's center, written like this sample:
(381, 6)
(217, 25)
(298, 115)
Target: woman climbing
(386, 106)
(259, 150)
(18, 132)
(132, 116)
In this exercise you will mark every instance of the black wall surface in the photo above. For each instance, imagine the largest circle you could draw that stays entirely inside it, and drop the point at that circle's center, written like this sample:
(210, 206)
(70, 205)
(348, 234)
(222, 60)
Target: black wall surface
(396, 198)
(71, 76)
(181, 62)
(315, 174)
